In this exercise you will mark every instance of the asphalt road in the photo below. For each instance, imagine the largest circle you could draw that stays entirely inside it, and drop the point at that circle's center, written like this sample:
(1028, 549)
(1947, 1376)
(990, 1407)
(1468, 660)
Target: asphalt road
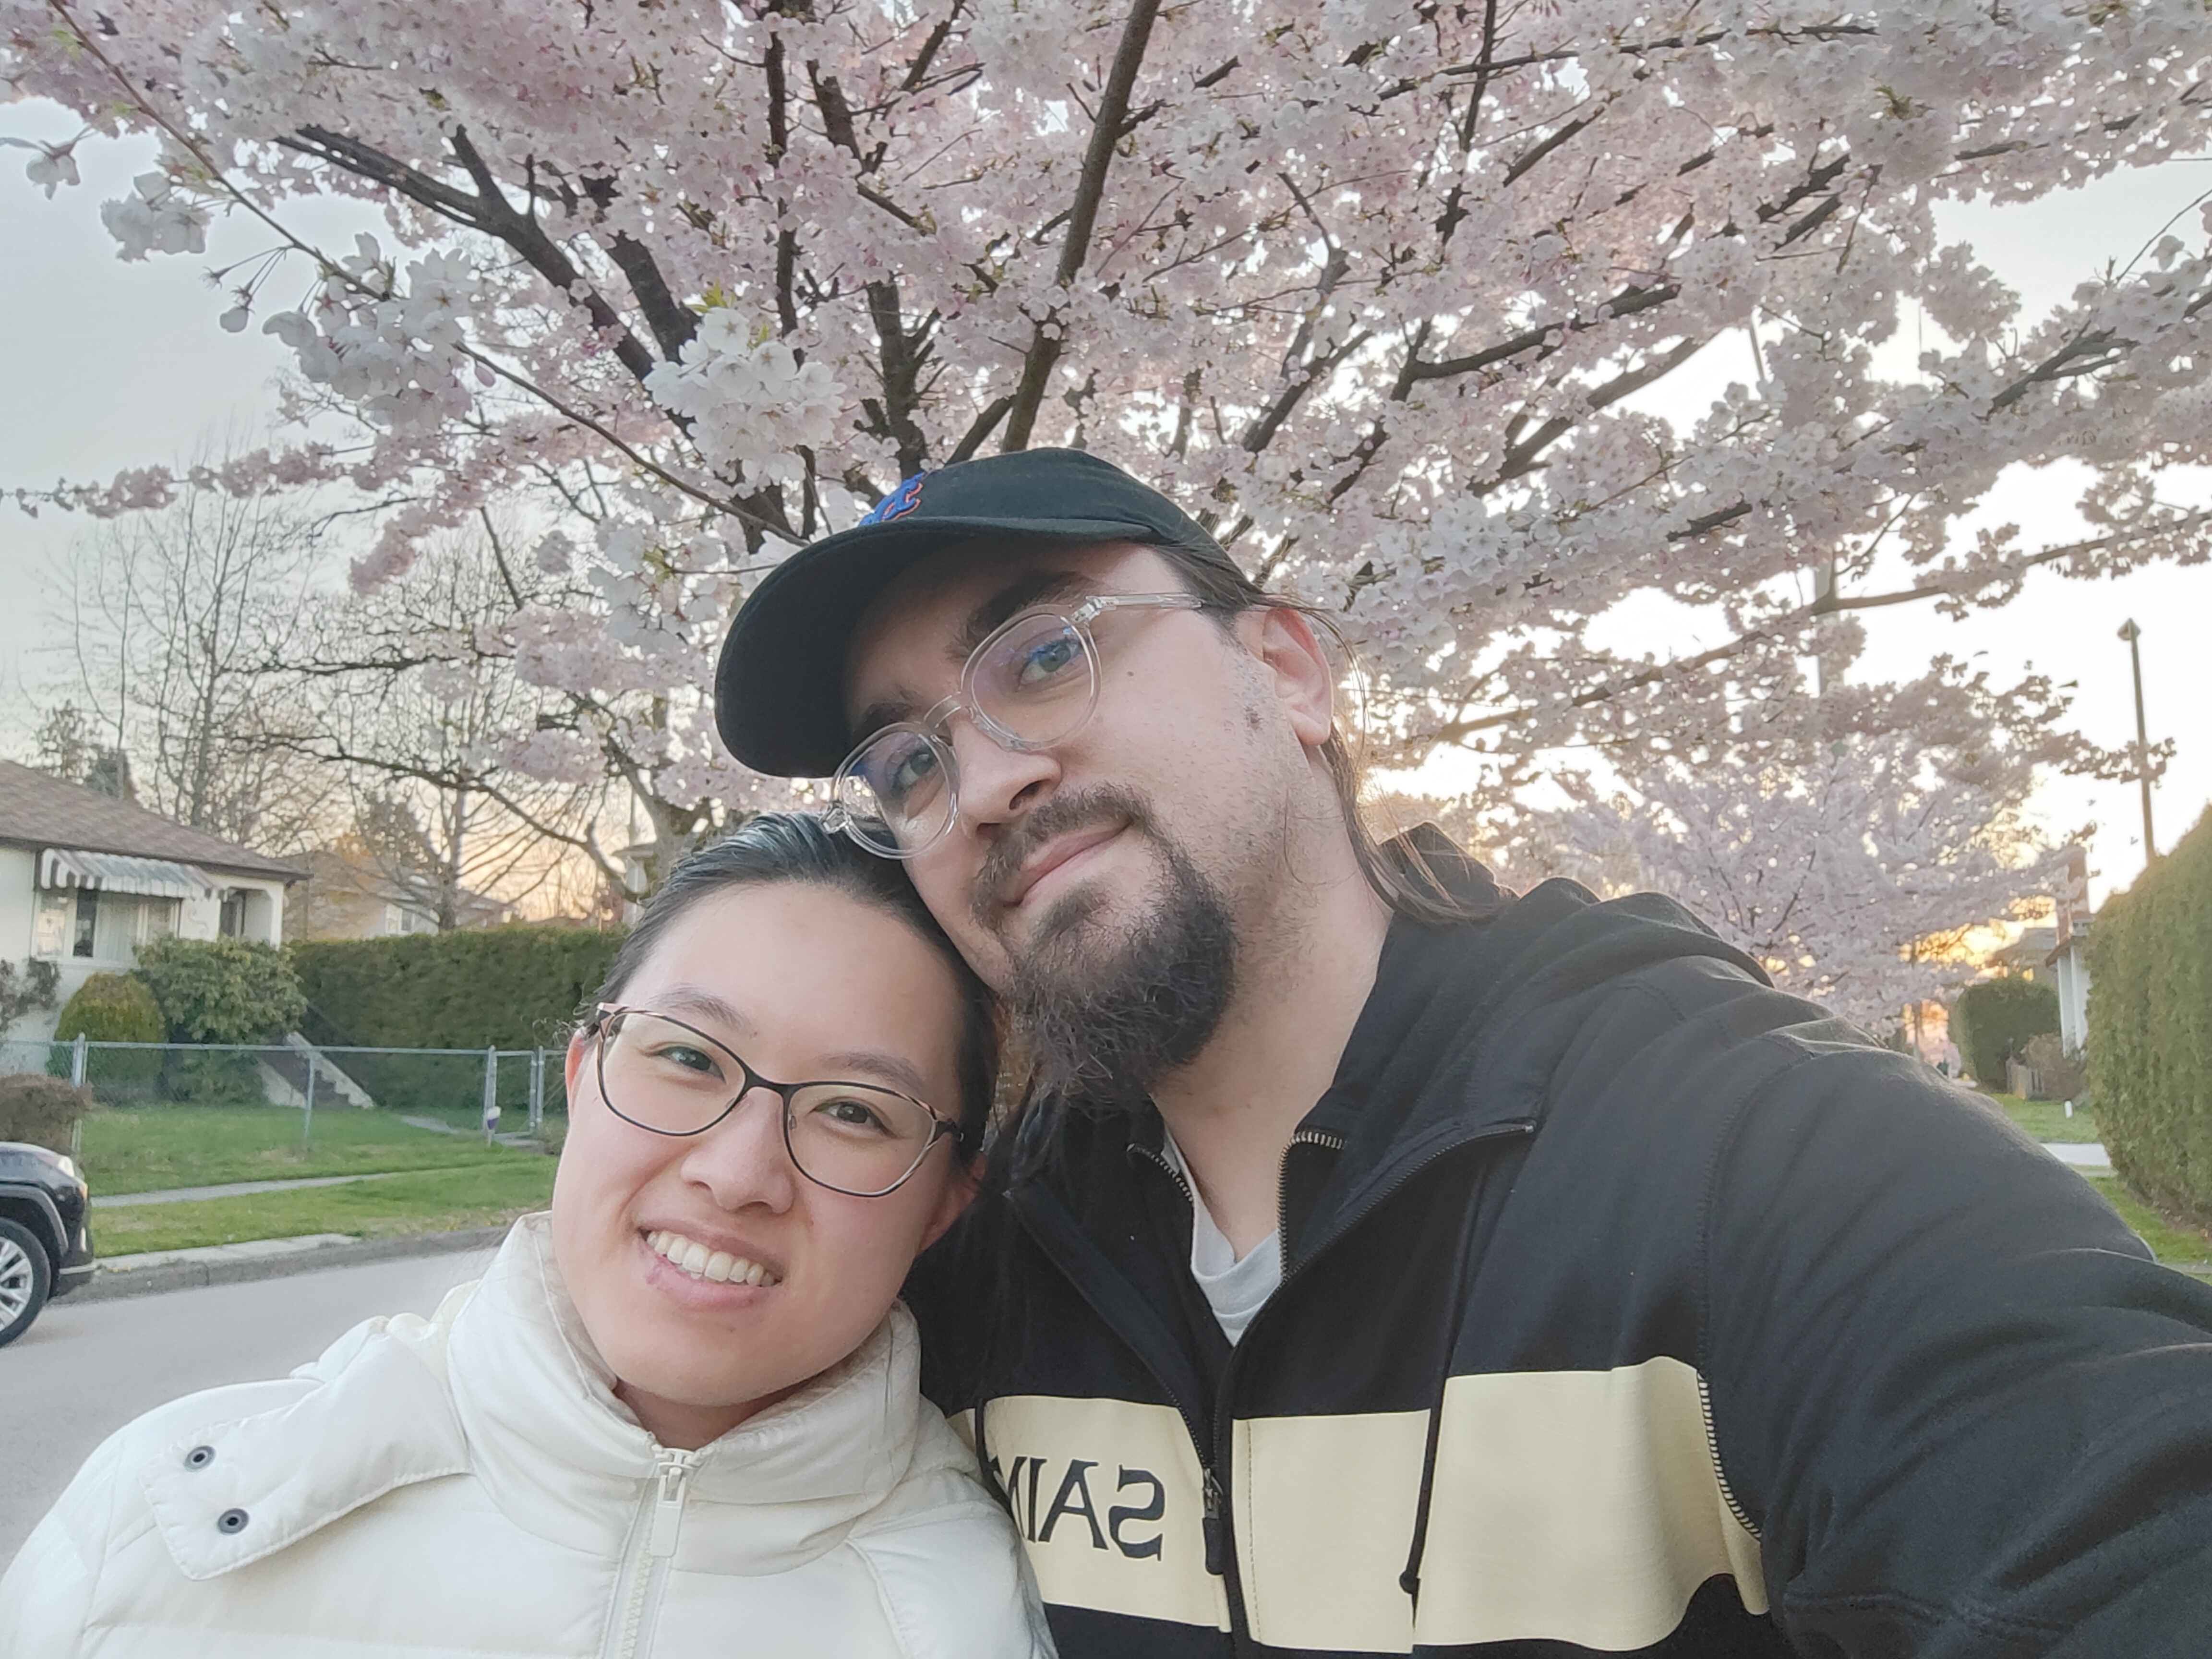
(83, 1371)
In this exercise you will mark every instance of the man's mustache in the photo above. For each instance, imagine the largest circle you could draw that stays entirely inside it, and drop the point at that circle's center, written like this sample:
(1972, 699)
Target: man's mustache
(1077, 810)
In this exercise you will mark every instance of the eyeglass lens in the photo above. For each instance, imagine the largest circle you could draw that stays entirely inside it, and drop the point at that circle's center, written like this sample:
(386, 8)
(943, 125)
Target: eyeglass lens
(662, 1075)
(1032, 684)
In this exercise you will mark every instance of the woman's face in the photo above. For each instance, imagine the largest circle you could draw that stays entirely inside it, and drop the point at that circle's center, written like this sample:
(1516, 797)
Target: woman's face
(805, 983)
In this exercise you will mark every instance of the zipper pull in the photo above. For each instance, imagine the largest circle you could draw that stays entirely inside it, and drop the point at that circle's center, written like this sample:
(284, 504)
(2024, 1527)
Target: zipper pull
(1215, 1526)
(673, 1472)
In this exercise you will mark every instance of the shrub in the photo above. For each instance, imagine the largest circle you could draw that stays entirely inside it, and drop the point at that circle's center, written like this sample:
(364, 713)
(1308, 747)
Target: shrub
(111, 1008)
(222, 990)
(509, 987)
(40, 1109)
(1992, 1021)
(220, 1077)
(2150, 1026)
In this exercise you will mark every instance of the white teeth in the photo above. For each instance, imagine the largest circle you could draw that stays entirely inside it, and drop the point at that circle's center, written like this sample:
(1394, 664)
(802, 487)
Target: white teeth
(696, 1260)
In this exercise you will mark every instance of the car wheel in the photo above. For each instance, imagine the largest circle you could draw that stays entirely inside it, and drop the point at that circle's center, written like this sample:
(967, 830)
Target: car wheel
(26, 1277)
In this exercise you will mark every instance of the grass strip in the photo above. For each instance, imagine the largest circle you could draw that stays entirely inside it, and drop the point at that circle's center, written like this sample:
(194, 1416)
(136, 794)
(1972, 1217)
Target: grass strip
(422, 1201)
(149, 1148)
(2175, 1243)
(2046, 1120)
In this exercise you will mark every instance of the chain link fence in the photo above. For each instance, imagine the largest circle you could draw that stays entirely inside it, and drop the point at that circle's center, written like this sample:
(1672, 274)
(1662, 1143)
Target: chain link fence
(507, 1093)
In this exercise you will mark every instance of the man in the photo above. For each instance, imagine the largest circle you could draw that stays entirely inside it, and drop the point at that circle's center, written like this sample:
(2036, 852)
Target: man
(1387, 1264)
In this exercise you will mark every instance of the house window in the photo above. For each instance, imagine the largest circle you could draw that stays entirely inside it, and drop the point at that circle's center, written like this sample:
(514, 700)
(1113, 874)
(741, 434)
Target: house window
(102, 927)
(50, 935)
(232, 923)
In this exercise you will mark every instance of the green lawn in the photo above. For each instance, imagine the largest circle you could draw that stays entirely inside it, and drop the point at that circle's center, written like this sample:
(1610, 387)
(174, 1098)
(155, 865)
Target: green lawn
(2177, 1244)
(2046, 1120)
(424, 1202)
(146, 1148)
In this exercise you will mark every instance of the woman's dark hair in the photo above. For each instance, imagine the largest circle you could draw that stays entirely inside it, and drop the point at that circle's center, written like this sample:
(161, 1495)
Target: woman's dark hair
(779, 847)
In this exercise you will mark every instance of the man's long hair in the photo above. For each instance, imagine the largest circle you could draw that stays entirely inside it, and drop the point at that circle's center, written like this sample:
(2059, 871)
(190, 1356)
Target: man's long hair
(1399, 875)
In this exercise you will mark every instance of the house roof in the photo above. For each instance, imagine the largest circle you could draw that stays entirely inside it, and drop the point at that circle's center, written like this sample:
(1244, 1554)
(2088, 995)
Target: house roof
(39, 809)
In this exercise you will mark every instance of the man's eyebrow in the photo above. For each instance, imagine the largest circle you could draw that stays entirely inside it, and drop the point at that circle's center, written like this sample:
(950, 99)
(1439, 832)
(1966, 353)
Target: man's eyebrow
(889, 711)
(1032, 587)
(901, 1074)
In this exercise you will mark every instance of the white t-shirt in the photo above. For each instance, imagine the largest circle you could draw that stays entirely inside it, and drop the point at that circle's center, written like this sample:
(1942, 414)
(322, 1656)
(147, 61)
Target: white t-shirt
(1234, 1288)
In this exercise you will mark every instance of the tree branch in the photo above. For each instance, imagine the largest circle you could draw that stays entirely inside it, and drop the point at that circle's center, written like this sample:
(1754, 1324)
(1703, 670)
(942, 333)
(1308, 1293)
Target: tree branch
(1828, 604)
(1107, 129)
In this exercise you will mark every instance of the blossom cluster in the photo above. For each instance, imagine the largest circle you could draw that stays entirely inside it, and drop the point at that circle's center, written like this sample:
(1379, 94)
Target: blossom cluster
(1389, 299)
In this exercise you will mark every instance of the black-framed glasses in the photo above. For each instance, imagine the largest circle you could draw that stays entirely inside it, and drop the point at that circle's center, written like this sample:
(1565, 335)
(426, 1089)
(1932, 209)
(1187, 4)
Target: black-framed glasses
(859, 1139)
(1032, 683)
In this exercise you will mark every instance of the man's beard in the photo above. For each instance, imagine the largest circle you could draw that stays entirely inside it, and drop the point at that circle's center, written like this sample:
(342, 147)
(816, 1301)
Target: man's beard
(1104, 1018)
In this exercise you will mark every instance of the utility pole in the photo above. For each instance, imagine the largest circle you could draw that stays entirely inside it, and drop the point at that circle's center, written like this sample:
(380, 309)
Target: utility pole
(2131, 633)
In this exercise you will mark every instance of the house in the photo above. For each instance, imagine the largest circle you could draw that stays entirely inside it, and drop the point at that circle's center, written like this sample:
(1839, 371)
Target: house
(351, 893)
(2027, 956)
(86, 878)
(2070, 953)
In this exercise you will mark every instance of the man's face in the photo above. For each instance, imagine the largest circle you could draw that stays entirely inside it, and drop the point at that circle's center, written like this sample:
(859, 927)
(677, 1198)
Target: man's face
(1117, 868)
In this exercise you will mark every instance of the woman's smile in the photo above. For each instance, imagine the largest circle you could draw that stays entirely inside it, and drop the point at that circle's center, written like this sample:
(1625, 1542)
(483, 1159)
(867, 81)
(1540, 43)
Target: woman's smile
(701, 1261)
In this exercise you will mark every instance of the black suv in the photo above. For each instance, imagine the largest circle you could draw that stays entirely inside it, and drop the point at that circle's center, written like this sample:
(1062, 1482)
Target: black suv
(46, 1248)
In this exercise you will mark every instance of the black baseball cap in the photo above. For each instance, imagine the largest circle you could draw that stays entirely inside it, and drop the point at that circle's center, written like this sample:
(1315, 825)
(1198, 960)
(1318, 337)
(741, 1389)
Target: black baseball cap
(779, 686)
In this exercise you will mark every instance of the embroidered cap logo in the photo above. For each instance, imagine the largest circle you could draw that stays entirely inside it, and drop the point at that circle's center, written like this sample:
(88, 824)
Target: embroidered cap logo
(900, 502)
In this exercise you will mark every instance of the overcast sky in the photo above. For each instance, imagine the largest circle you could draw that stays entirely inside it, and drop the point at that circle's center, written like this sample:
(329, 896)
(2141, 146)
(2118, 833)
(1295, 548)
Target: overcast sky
(106, 365)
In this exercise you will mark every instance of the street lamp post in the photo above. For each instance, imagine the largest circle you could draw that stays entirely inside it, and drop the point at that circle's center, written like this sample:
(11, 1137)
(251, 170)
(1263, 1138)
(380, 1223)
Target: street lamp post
(2131, 633)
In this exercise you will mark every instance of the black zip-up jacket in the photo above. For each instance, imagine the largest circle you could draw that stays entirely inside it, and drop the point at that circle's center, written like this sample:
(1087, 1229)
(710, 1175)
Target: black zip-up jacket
(1628, 1305)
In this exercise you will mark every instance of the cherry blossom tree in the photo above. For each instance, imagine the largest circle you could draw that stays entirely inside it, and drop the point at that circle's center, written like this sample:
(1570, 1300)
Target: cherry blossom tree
(1854, 878)
(1387, 294)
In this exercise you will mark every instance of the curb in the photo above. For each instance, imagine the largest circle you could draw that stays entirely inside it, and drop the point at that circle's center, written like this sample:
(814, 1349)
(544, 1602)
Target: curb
(212, 1267)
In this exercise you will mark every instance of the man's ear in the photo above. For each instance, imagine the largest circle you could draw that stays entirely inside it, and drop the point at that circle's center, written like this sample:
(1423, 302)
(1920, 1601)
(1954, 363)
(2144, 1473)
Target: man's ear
(1290, 649)
(959, 1193)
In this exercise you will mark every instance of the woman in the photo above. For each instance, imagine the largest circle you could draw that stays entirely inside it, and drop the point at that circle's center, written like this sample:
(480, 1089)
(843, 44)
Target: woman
(679, 1414)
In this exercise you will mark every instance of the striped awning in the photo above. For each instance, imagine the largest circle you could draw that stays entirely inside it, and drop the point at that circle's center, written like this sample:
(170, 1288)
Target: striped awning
(113, 873)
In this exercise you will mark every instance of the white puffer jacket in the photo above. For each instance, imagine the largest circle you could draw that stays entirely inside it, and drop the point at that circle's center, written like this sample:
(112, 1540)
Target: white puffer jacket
(469, 1485)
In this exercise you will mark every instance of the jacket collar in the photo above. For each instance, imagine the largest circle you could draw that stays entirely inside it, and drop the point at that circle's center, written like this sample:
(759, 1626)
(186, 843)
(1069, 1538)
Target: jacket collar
(502, 1384)
(563, 1457)
(1458, 1043)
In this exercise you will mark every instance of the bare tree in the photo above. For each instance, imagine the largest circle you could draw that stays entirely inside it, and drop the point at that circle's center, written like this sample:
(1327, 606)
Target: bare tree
(171, 620)
(417, 701)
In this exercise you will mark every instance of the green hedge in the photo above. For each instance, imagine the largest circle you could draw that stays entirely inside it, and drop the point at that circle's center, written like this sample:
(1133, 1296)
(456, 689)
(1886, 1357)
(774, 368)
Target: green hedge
(512, 987)
(1991, 1022)
(2150, 1026)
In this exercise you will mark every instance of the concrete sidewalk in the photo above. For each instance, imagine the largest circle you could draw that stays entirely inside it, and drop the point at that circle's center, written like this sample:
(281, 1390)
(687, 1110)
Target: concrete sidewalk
(268, 1258)
(2082, 1154)
(230, 1189)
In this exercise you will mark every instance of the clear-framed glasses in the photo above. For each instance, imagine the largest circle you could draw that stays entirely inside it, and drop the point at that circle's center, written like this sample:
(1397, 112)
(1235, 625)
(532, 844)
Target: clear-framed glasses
(1032, 683)
(859, 1139)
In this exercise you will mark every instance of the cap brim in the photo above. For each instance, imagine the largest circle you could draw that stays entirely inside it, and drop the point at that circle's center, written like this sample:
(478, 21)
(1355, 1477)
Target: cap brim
(779, 684)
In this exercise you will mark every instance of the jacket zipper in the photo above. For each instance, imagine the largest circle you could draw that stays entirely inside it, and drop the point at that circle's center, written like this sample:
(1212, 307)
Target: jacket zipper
(1218, 1521)
(1213, 1523)
(659, 1518)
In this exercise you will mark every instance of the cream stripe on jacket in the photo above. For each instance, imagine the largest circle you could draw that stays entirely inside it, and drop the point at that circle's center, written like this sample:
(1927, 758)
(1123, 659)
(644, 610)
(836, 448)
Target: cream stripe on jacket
(470, 1485)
